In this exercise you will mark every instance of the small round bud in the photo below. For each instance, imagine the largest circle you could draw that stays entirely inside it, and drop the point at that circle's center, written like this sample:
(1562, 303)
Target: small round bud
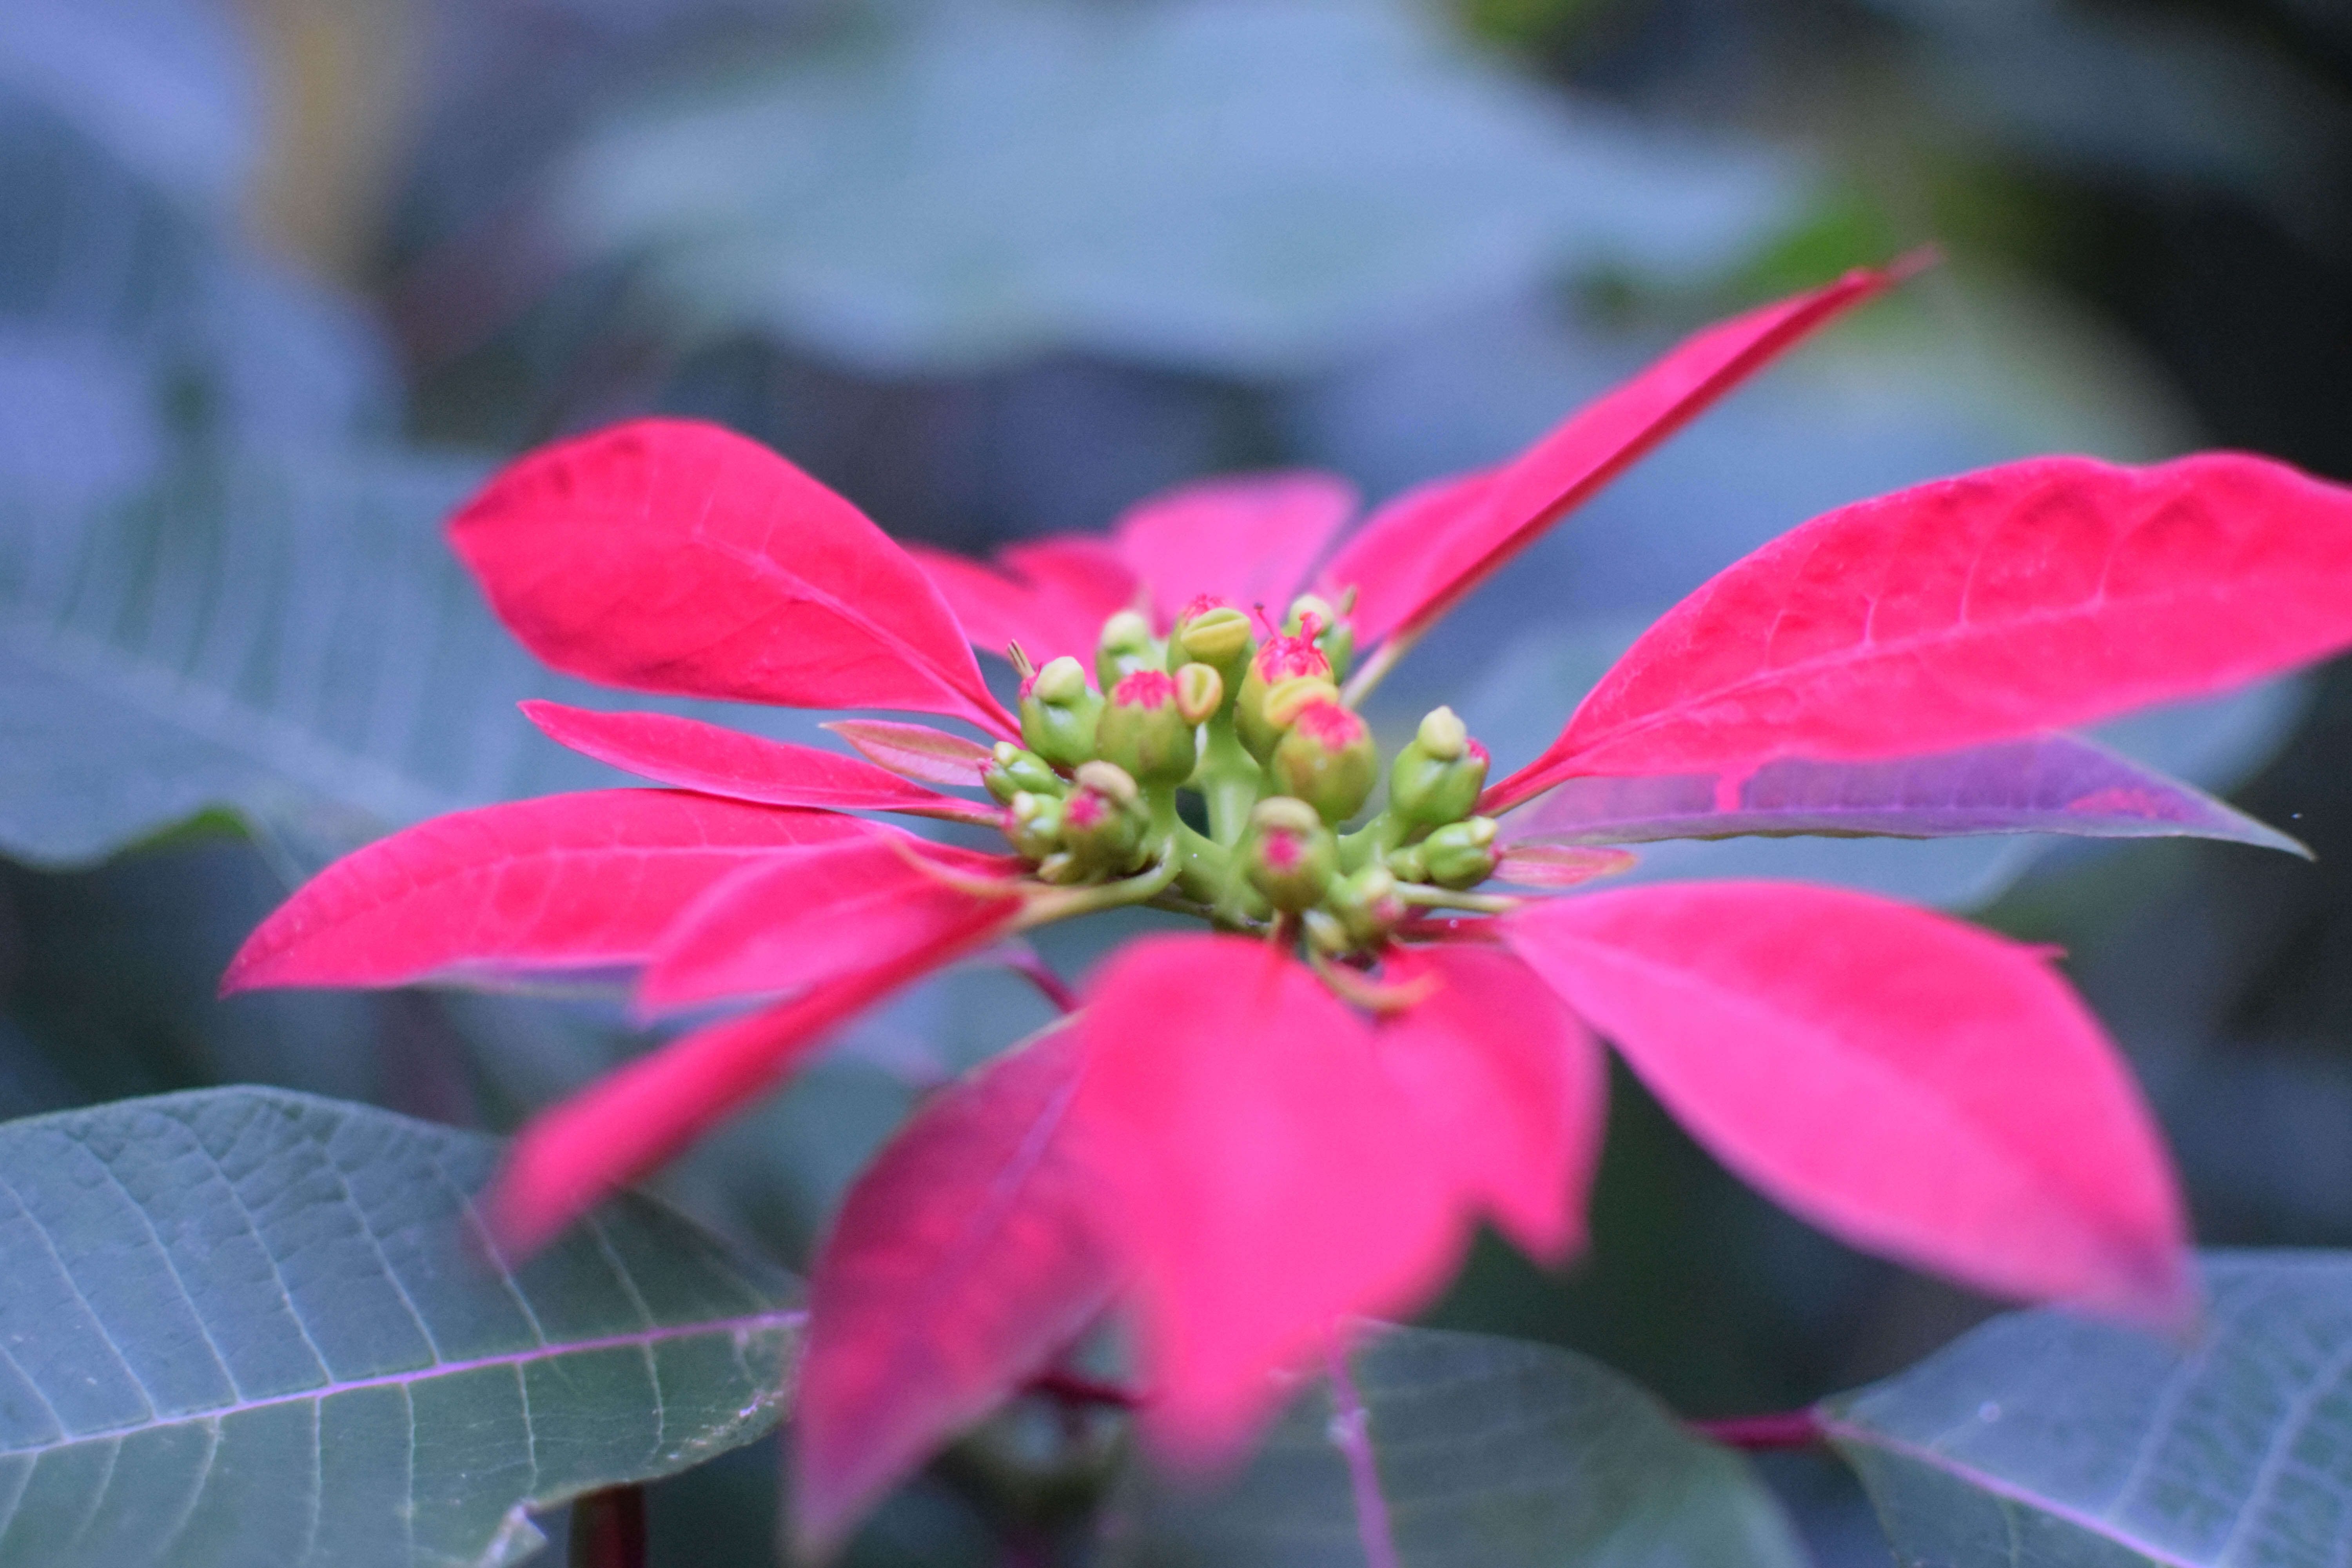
(1285, 702)
(1460, 854)
(1367, 906)
(1126, 646)
(1442, 734)
(1104, 821)
(1200, 692)
(1279, 660)
(1327, 935)
(1013, 770)
(1211, 632)
(1034, 826)
(1143, 730)
(1427, 786)
(1288, 855)
(1057, 713)
(1407, 864)
(1326, 759)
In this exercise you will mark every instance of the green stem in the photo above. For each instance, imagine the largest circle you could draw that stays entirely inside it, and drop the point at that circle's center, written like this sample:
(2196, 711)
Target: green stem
(1061, 903)
(1420, 895)
(1229, 780)
(1373, 841)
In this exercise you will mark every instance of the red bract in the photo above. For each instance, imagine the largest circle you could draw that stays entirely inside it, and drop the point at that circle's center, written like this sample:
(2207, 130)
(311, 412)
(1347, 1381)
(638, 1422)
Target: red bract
(1251, 1137)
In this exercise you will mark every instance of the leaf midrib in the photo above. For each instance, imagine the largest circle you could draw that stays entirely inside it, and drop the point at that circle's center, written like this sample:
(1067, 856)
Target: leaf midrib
(787, 1319)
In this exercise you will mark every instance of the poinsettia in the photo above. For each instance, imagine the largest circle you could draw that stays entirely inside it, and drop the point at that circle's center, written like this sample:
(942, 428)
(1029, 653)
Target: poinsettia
(1249, 1136)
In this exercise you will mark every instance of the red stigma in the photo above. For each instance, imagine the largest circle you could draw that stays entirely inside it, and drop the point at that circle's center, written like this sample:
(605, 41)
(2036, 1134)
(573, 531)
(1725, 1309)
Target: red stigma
(1146, 689)
(1279, 659)
(1328, 725)
(1280, 851)
(1200, 604)
(1085, 810)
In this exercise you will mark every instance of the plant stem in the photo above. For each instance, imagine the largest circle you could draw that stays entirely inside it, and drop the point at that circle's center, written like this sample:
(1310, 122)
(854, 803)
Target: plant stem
(1022, 958)
(1351, 1433)
(608, 1528)
(1764, 1433)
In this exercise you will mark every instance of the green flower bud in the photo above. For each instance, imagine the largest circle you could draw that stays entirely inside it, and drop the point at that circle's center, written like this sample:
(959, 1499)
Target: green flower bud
(1014, 770)
(1144, 730)
(1127, 647)
(1326, 759)
(1057, 713)
(1366, 905)
(1200, 692)
(1326, 933)
(1407, 864)
(1436, 778)
(1281, 661)
(1460, 854)
(1105, 822)
(1034, 825)
(1213, 632)
(1288, 855)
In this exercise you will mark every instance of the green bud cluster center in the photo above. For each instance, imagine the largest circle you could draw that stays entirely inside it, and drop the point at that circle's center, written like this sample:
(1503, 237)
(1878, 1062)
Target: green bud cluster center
(1249, 736)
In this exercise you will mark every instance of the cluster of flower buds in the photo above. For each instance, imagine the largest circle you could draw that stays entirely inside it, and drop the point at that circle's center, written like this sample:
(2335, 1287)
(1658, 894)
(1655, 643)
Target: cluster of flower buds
(1256, 729)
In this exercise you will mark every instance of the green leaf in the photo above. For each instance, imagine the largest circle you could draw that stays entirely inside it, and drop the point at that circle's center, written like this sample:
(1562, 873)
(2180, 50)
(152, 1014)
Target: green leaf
(2049, 1439)
(247, 1326)
(1251, 186)
(1491, 1453)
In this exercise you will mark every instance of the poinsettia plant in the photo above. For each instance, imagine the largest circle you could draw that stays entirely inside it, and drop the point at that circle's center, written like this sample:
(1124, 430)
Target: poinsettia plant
(1244, 1138)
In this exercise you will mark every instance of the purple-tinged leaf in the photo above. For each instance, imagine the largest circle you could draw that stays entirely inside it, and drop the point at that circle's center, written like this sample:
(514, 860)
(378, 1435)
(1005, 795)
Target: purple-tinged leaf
(2049, 784)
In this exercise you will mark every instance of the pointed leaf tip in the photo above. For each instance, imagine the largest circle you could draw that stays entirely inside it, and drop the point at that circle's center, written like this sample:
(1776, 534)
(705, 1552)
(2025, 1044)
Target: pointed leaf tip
(569, 881)
(1915, 1086)
(672, 555)
(1422, 554)
(2032, 596)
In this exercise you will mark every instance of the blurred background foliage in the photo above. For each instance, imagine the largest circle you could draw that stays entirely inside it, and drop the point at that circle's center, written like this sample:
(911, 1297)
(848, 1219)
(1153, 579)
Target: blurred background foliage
(278, 281)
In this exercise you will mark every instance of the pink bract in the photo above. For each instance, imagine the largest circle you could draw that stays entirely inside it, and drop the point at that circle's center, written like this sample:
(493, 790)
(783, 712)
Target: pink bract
(1245, 1142)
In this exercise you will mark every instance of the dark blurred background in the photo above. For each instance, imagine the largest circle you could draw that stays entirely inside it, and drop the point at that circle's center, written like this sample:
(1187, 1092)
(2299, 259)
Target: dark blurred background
(280, 279)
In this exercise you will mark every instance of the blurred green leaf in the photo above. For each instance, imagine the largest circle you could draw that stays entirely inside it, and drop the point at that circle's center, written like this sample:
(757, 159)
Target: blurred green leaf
(2053, 1440)
(246, 1326)
(1491, 1453)
(1254, 188)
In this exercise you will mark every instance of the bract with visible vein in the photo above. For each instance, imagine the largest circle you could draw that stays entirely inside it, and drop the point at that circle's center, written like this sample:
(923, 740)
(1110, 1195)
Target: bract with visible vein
(1915, 1086)
(571, 882)
(2018, 599)
(671, 556)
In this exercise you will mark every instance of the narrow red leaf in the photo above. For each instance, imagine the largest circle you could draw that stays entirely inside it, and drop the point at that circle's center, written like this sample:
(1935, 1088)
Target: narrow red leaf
(967, 1259)
(1267, 1176)
(718, 760)
(568, 881)
(1248, 539)
(914, 750)
(633, 1120)
(2044, 784)
(1913, 1085)
(1509, 1087)
(1050, 596)
(1420, 555)
(671, 556)
(804, 916)
(2032, 596)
